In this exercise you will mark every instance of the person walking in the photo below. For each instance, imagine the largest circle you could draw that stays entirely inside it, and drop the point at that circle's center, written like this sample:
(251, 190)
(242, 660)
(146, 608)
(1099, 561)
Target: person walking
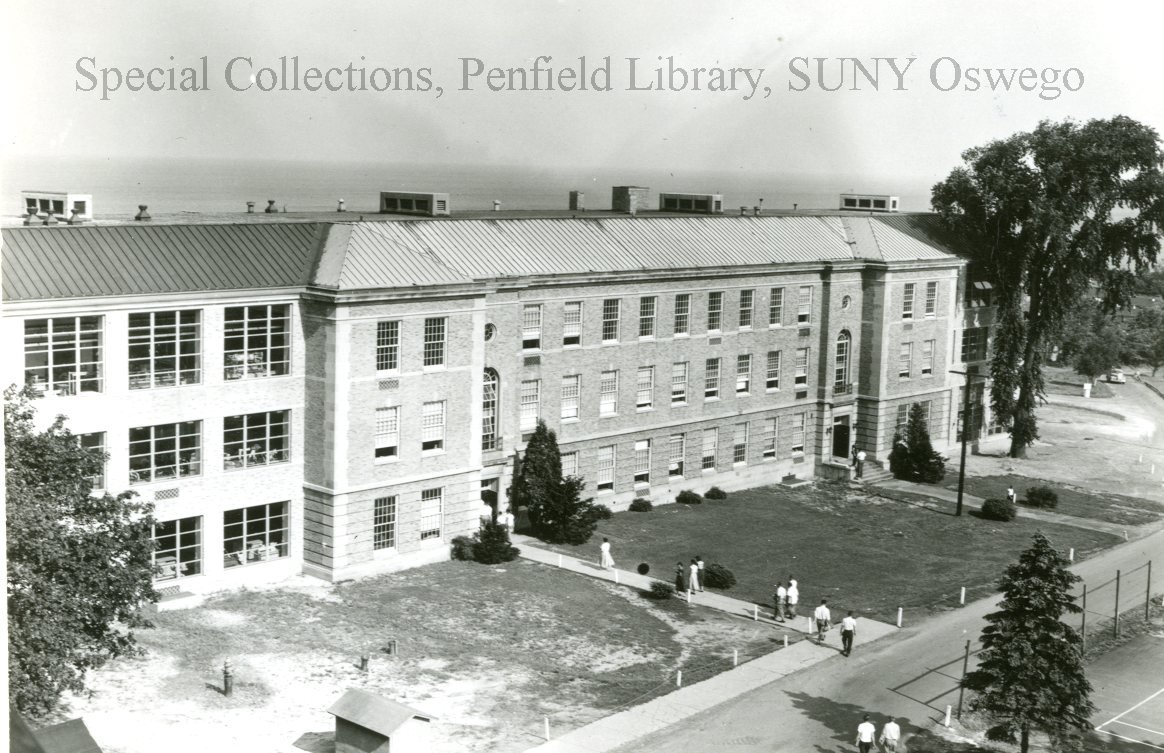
(607, 560)
(680, 582)
(890, 735)
(865, 733)
(699, 563)
(860, 462)
(854, 463)
(793, 598)
(781, 602)
(693, 584)
(1011, 496)
(848, 633)
(823, 620)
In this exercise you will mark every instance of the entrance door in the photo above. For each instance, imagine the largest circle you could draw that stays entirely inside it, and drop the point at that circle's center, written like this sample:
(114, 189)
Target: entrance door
(841, 442)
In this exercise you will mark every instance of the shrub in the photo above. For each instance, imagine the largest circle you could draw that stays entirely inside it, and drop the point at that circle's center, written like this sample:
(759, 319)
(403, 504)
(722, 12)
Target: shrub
(603, 512)
(1042, 496)
(688, 497)
(661, 590)
(998, 509)
(491, 545)
(463, 548)
(718, 576)
(643, 568)
(640, 504)
(715, 493)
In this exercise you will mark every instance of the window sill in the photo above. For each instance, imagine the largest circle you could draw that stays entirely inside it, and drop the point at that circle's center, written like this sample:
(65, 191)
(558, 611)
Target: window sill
(646, 338)
(387, 460)
(642, 484)
(768, 459)
(745, 328)
(739, 463)
(743, 394)
(775, 326)
(679, 405)
(644, 408)
(609, 342)
(430, 453)
(714, 399)
(607, 415)
(605, 491)
(681, 335)
(570, 420)
(707, 470)
(798, 453)
(771, 390)
(388, 373)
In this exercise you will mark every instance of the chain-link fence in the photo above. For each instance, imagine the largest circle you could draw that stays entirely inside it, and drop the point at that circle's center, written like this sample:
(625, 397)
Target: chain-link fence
(1107, 605)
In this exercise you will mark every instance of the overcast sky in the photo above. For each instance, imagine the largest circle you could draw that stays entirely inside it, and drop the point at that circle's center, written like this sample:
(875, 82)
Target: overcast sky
(918, 131)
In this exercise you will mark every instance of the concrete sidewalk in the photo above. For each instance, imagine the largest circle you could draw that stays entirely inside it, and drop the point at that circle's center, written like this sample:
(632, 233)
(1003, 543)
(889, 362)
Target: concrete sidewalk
(628, 725)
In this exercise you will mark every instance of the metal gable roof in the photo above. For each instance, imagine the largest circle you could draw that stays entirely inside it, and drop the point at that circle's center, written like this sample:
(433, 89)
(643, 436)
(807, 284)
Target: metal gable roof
(78, 262)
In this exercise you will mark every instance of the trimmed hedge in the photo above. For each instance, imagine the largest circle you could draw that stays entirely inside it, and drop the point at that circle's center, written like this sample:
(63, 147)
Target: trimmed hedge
(1042, 496)
(688, 497)
(715, 493)
(998, 509)
(640, 504)
(603, 512)
(716, 575)
(463, 548)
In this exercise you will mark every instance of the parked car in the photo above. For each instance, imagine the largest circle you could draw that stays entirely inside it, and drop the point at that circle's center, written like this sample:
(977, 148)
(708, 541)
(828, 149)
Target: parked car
(1116, 376)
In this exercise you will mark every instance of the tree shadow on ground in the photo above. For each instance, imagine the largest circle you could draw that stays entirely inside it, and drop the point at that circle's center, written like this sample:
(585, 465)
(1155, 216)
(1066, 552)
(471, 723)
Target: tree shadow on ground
(842, 720)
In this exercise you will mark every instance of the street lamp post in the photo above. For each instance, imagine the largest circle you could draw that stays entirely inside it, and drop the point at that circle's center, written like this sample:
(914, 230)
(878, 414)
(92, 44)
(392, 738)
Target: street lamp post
(965, 434)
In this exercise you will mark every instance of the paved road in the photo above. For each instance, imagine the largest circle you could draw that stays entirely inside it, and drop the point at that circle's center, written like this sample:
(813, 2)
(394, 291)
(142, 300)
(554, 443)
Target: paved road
(911, 675)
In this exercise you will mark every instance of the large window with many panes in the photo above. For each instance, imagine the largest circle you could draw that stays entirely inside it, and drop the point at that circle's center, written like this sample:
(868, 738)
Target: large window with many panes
(165, 451)
(384, 523)
(676, 451)
(95, 443)
(530, 401)
(255, 534)
(743, 373)
(679, 383)
(711, 379)
(571, 392)
(740, 445)
(165, 349)
(931, 298)
(610, 320)
(841, 363)
(388, 346)
(608, 393)
(775, 307)
(647, 316)
(747, 300)
(710, 448)
(387, 439)
(797, 434)
(800, 377)
(177, 548)
(645, 388)
(804, 305)
(434, 341)
(904, 360)
(927, 364)
(489, 404)
(62, 355)
(256, 439)
(432, 508)
(907, 301)
(256, 341)
(769, 439)
(572, 323)
(772, 377)
(432, 426)
(682, 313)
(531, 326)
(642, 462)
(714, 311)
(605, 474)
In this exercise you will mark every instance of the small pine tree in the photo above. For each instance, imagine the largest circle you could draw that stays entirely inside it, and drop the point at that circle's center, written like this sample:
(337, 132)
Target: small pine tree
(539, 476)
(492, 545)
(1031, 676)
(913, 457)
(569, 519)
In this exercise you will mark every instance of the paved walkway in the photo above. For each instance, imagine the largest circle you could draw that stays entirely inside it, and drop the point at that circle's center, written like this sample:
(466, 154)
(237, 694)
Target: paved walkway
(629, 725)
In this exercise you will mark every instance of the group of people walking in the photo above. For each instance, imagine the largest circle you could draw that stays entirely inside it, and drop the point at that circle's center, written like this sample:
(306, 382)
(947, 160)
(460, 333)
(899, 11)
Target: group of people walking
(689, 577)
(787, 597)
(867, 731)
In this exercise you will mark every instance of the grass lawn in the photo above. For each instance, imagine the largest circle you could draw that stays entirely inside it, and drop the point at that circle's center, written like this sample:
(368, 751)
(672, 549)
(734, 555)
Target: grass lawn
(1112, 508)
(488, 650)
(865, 553)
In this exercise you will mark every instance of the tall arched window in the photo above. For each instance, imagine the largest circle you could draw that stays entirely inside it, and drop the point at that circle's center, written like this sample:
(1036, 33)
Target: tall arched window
(841, 364)
(489, 413)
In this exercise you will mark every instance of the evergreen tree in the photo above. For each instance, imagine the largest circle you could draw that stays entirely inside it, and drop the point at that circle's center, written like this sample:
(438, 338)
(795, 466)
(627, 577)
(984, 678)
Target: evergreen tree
(491, 545)
(1030, 674)
(557, 512)
(913, 457)
(79, 565)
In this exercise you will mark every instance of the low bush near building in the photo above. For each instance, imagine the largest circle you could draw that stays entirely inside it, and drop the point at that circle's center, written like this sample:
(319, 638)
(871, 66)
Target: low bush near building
(716, 575)
(998, 509)
(660, 590)
(640, 504)
(715, 493)
(463, 548)
(688, 497)
(603, 512)
(491, 545)
(1042, 496)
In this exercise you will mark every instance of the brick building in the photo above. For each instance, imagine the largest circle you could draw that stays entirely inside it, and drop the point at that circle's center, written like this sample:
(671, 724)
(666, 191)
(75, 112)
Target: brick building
(313, 394)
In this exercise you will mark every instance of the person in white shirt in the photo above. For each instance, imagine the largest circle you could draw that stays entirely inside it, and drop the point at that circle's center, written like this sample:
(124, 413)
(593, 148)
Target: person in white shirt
(781, 602)
(890, 734)
(693, 583)
(848, 632)
(607, 559)
(699, 564)
(860, 462)
(793, 598)
(823, 619)
(865, 734)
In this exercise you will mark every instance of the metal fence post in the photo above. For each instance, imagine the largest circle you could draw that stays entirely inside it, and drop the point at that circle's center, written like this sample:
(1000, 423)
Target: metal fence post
(961, 685)
(1116, 627)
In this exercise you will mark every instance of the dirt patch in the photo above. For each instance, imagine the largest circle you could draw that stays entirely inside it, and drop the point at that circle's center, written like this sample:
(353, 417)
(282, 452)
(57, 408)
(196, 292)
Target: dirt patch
(489, 651)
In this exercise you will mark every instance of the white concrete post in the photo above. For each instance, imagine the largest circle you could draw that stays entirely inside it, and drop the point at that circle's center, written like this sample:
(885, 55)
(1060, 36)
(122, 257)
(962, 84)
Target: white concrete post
(547, 720)
(679, 679)
(785, 641)
(947, 722)
(899, 616)
(962, 599)
(735, 657)
(1071, 555)
(755, 612)
(616, 576)
(559, 560)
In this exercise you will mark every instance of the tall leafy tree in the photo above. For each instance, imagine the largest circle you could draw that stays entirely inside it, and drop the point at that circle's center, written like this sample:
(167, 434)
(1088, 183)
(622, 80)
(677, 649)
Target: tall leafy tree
(1099, 350)
(1145, 339)
(1044, 214)
(1030, 675)
(557, 511)
(79, 564)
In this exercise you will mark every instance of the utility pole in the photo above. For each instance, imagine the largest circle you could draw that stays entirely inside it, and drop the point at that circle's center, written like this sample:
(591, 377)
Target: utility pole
(966, 424)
